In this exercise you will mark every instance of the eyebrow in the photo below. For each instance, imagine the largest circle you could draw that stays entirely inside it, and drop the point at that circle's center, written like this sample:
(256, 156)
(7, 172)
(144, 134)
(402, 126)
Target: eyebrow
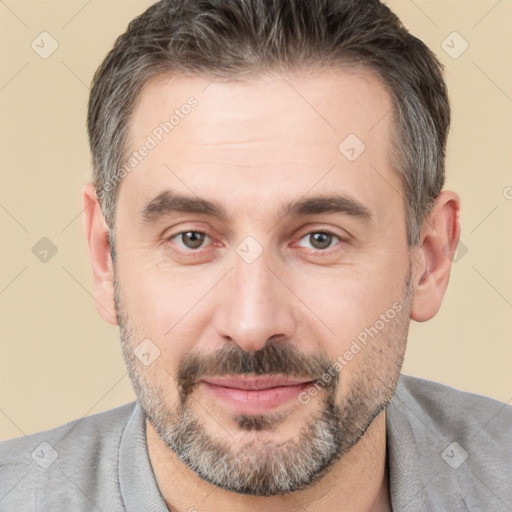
(169, 202)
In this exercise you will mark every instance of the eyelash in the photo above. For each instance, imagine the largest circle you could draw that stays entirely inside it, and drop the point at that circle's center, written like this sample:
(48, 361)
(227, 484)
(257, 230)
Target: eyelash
(200, 250)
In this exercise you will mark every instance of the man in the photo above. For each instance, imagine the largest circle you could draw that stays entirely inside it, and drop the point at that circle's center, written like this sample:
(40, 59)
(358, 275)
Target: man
(267, 215)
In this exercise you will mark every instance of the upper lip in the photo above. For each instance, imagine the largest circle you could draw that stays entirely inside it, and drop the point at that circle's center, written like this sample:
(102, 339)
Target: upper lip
(254, 383)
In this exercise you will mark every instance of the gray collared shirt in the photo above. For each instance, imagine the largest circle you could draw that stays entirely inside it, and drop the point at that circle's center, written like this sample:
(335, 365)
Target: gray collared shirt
(448, 451)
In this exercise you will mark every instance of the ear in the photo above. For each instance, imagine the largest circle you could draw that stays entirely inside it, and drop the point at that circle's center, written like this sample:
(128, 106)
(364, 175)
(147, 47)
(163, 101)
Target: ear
(96, 235)
(433, 259)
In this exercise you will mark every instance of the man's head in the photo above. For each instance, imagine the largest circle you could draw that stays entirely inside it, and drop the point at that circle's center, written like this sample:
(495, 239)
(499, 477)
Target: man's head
(272, 241)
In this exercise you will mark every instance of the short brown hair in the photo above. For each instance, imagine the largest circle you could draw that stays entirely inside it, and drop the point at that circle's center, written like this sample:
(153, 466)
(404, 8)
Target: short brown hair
(236, 38)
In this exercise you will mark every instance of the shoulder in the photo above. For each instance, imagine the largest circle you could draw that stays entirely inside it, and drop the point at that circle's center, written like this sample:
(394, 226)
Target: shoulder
(39, 464)
(456, 446)
(454, 411)
(86, 431)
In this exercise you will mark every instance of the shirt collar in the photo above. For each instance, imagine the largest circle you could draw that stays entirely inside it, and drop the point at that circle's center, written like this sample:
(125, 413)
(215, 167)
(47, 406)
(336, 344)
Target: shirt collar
(139, 490)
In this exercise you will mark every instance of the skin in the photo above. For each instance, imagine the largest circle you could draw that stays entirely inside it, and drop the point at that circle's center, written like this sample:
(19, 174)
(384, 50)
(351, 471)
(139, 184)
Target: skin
(243, 142)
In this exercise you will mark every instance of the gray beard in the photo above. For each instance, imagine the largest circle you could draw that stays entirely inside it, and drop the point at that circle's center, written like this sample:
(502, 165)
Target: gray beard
(262, 466)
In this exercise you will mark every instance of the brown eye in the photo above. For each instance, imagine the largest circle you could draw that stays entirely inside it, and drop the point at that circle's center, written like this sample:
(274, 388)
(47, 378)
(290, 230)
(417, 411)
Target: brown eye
(318, 240)
(190, 239)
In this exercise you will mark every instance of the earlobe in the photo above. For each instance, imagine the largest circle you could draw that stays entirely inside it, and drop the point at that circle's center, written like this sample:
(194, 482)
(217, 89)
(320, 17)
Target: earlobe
(96, 234)
(439, 239)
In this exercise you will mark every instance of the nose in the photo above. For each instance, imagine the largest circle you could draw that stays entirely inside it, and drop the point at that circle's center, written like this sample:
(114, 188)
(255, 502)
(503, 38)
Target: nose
(254, 305)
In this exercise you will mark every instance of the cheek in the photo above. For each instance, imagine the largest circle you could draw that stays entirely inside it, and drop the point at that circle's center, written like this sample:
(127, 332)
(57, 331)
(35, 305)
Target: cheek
(144, 320)
(347, 304)
(158, 297)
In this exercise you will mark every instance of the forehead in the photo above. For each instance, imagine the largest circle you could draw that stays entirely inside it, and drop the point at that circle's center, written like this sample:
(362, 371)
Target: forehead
(284, 132)
(330, 102)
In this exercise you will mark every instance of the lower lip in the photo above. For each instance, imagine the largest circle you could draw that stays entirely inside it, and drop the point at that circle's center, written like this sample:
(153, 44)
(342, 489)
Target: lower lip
(255, 401)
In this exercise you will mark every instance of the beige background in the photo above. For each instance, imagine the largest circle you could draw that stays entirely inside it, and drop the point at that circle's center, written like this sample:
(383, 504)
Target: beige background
(60, 361)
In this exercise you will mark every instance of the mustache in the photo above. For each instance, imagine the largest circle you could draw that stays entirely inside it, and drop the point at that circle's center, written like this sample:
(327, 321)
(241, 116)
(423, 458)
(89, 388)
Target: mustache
(274, 358)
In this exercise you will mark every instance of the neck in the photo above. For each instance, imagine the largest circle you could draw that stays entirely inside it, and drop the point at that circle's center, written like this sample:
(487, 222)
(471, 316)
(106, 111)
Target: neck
(358, 482)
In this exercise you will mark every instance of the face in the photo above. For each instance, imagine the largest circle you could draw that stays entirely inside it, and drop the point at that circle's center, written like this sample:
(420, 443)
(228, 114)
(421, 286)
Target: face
(262, 276)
